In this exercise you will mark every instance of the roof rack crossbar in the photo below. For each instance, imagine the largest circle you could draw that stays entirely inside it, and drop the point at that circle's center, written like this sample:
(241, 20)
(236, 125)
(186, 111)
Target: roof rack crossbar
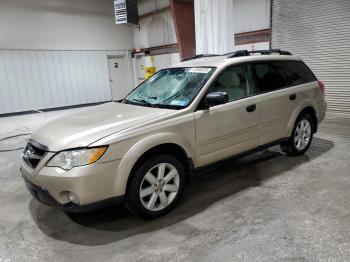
(262, 52)
(198, 56)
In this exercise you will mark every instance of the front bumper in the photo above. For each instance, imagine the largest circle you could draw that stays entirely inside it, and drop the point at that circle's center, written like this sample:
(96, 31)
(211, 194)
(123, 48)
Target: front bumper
(96, 185)
(43, 195)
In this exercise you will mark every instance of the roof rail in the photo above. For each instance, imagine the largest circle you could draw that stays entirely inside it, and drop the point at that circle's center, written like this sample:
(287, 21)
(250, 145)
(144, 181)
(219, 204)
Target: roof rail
(197, 56)
(271, 51)
(238, 53)
(262, 52)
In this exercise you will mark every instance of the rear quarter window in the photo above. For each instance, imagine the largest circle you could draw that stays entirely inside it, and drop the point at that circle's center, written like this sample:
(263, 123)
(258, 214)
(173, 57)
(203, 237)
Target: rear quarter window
(295, 72)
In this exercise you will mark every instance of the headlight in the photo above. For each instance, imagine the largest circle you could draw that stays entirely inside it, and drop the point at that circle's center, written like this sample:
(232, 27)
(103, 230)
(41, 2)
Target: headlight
(76, 157)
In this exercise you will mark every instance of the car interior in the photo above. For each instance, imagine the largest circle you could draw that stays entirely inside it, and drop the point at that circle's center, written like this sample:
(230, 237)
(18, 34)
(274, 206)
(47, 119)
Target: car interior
(233, 82)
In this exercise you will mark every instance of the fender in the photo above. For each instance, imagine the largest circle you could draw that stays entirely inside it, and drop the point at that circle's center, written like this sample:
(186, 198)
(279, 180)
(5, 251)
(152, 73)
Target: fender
(296, 113)
(158, 139)
(136, 151)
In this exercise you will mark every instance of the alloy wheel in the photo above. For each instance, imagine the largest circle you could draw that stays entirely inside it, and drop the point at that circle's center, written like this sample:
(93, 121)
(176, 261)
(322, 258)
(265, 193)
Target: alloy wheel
(159, 187)
(302, 134)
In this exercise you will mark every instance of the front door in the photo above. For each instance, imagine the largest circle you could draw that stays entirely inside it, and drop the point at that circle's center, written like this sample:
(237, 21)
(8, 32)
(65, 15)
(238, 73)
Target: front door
(118, 77)
(231, 128)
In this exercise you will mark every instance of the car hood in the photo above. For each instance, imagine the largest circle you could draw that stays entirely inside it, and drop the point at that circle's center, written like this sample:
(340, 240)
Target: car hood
(83, 128)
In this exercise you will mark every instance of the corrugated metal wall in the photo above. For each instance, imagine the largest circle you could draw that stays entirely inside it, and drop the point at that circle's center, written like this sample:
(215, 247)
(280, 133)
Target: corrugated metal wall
(319, 32)
(31, 80)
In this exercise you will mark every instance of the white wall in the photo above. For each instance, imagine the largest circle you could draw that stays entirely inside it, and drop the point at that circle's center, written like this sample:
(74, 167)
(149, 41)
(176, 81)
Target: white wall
(31, 80)
(253, 46)
(155, 30)
(148, 6)
(166, 60)
(217, 21)
(62, 25)
(251, 15)
(160, 62)
(34, 79)
(54, 53)
(214, 23)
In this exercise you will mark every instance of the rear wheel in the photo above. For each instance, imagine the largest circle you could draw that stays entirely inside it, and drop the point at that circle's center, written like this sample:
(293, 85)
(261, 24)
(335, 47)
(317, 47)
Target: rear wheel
(300, 140)
(156, 186)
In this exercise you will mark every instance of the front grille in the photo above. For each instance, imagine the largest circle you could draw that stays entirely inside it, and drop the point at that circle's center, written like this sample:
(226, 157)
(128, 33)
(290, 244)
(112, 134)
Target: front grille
(33, 153)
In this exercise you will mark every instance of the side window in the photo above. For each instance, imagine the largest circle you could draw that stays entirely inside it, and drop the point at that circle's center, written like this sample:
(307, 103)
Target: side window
(269, 77)
(296, 73)
(235, 82)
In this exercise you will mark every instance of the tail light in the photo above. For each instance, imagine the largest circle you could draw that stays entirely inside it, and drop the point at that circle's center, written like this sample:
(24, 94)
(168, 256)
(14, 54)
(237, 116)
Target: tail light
(321, 86)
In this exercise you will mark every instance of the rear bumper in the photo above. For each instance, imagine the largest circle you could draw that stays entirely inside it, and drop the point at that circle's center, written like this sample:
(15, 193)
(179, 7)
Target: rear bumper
(321, 110)
(43, 196)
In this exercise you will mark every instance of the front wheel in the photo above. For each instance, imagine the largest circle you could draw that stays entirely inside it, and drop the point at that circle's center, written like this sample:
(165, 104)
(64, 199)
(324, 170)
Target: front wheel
(300, 140)
(156, 186)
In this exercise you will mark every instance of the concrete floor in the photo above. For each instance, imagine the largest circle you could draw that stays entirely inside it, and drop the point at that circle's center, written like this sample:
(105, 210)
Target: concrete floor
(264, 207)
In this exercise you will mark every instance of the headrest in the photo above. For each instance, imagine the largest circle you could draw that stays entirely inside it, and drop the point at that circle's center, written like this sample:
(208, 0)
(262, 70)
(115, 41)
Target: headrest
(229, 78)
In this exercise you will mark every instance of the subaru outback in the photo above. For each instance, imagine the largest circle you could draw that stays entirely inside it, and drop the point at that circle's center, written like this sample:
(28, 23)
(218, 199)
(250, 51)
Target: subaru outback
(144, 149)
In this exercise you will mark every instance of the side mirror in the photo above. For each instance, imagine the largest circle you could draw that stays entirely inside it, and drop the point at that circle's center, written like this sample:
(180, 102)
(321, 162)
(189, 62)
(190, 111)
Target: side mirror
(215, 98)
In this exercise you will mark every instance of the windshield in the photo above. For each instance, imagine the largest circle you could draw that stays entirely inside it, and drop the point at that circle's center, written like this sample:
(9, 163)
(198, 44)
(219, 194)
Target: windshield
(171, 88)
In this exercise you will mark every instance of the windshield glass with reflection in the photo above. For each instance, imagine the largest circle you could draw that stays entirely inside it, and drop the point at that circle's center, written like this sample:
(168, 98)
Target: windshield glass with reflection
(171, 88)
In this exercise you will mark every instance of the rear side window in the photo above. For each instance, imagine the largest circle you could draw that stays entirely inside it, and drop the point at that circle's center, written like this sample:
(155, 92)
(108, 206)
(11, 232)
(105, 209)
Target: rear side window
(275, 75)
(295, 72)
(269, 77)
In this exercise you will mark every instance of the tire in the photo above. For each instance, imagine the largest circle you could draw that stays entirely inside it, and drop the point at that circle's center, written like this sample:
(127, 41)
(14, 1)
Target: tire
(156, 186)
(300, 140)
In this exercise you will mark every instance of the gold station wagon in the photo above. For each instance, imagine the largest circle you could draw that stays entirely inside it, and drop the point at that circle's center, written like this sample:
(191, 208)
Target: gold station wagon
(143, 149)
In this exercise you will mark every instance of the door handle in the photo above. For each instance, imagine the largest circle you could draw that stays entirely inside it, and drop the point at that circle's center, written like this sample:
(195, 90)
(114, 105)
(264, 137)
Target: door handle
(250, 108)
(292, 97)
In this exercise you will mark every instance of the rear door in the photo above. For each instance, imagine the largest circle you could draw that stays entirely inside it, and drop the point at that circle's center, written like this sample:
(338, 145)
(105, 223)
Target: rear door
(280, 84)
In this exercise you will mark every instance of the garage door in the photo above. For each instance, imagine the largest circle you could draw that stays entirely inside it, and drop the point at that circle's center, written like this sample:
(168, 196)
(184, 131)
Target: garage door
(319, 32)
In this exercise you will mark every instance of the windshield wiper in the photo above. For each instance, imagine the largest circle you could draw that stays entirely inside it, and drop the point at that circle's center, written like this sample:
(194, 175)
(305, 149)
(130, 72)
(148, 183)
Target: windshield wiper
(143, 101)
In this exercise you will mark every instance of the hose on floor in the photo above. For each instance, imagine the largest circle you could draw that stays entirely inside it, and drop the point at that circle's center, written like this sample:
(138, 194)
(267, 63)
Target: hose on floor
(9, 137)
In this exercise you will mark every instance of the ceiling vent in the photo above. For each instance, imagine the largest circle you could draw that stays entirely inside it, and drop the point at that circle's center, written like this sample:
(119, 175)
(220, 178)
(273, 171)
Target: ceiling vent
(126, 12)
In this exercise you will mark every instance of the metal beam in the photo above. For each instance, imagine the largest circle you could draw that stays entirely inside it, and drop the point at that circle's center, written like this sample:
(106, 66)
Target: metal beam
(183, 16)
